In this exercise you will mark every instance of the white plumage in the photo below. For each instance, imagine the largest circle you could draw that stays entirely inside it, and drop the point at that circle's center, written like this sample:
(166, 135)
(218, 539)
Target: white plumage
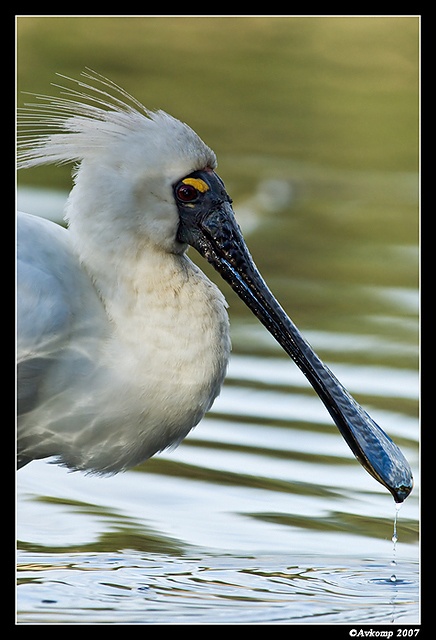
(123, 343)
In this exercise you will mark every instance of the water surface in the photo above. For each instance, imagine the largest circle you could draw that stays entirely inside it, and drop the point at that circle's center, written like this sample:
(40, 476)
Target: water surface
(261, 515)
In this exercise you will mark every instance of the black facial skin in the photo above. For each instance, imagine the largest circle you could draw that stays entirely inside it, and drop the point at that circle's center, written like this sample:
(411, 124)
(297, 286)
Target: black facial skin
(208, 224)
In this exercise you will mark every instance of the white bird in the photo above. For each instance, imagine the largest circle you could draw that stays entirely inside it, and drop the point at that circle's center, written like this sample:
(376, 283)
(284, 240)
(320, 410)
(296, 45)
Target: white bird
(123, 342)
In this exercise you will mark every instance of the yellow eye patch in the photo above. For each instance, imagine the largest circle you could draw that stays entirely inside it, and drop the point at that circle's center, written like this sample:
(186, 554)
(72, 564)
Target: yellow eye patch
(200, 185)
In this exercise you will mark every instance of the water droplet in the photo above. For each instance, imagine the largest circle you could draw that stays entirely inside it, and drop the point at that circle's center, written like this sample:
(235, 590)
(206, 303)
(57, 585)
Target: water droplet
(395, 540)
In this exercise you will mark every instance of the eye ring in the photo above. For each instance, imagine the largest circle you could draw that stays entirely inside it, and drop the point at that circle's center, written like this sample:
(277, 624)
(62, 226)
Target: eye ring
(186, 192)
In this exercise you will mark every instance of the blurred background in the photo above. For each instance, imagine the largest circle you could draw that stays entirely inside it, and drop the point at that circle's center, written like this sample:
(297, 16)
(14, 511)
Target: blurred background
(327, 106)
(315, 122)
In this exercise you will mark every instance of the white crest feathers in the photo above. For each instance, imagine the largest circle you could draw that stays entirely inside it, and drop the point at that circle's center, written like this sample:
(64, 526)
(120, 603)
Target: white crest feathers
(89, 121)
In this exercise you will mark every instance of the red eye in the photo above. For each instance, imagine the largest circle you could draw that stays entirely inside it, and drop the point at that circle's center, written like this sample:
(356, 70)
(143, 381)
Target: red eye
(186, 192)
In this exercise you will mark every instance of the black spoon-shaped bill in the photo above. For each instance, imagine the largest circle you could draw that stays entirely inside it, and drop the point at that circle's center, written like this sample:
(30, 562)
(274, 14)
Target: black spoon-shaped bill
(208, 224)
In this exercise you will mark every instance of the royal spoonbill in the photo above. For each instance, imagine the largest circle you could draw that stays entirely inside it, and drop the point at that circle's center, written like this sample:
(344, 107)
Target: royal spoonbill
(123, 342)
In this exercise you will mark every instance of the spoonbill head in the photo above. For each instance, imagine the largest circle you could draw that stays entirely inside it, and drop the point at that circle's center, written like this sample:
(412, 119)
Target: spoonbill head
(123, 341)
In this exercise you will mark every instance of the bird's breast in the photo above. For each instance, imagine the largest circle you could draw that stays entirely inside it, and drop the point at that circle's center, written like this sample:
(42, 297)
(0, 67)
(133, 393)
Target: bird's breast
(168, 357)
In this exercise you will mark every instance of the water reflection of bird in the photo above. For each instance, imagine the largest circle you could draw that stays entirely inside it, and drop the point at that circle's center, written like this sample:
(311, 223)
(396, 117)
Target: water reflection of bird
(123, 341)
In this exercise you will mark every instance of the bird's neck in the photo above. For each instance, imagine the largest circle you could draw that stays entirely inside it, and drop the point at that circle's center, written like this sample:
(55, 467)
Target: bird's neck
(145, 289)
(129, 282)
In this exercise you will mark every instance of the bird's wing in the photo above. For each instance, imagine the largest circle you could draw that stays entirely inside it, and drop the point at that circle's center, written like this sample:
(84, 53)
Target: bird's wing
(58, 311)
